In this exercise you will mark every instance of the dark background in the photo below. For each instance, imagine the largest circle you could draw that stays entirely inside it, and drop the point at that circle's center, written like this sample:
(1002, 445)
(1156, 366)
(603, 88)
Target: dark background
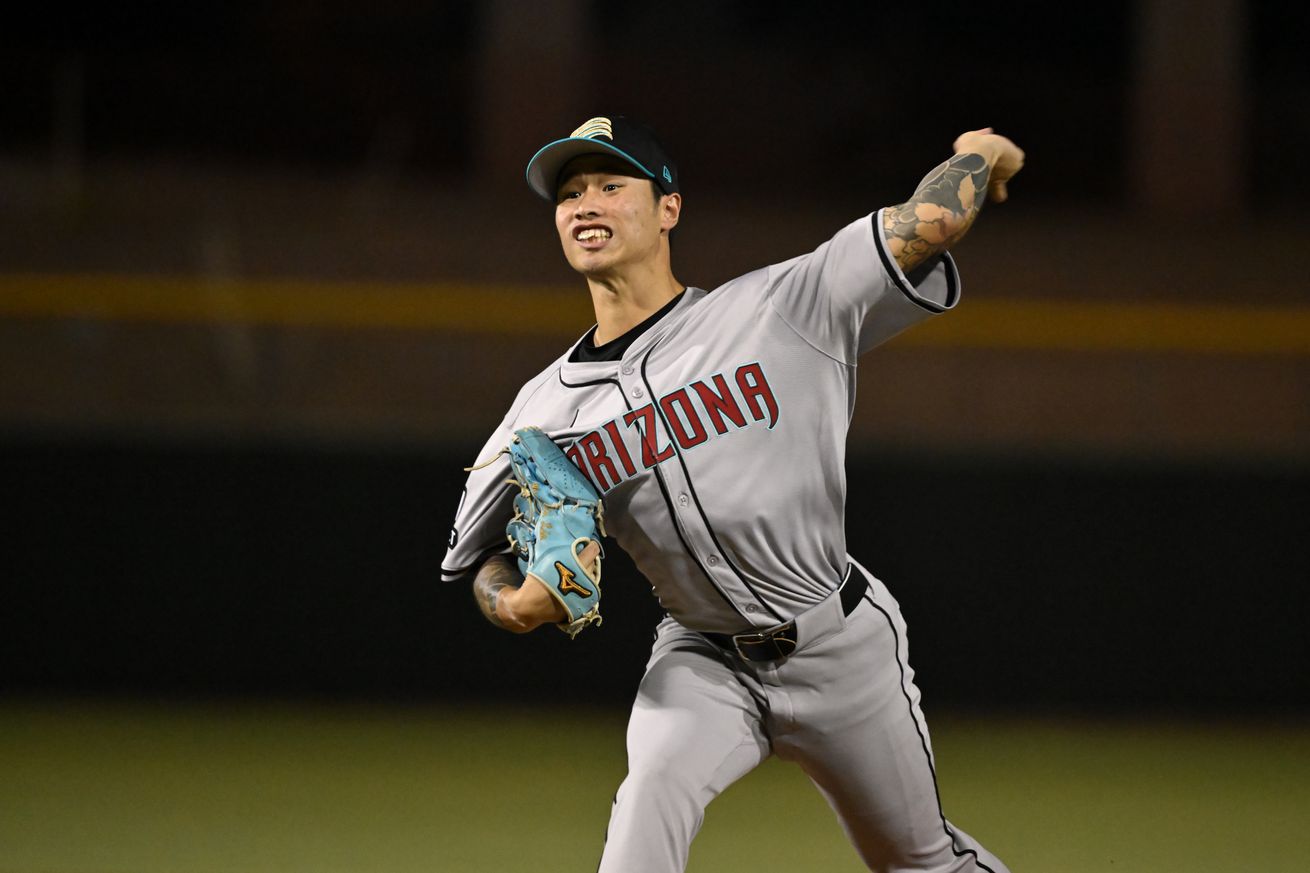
(1027, 583)
(793, 89)
(203, 540)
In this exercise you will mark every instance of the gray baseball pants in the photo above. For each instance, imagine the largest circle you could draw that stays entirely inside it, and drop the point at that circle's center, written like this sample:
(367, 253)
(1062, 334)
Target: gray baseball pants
(844, 706)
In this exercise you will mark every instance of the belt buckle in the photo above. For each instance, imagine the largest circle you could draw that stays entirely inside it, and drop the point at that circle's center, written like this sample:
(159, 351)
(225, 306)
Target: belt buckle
(782, 644)
(749, 639)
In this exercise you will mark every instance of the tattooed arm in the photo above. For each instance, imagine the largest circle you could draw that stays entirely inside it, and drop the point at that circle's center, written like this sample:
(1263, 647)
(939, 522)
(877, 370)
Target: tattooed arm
(948, 199)
(508, 603)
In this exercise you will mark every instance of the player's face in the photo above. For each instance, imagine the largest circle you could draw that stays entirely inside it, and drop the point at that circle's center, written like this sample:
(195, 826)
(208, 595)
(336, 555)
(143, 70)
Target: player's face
(607, 218)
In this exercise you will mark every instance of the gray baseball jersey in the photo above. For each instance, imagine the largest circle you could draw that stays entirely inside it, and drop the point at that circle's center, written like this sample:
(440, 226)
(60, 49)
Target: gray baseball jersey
(718, 441)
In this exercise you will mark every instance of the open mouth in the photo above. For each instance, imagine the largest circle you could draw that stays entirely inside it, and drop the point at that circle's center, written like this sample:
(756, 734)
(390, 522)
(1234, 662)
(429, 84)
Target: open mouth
(592, 233)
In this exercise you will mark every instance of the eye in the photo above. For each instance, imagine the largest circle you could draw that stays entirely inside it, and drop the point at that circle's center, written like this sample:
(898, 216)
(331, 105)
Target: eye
(612, 186)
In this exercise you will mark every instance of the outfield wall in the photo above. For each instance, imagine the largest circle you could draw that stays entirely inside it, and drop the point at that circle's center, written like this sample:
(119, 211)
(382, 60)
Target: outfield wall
(186, 568)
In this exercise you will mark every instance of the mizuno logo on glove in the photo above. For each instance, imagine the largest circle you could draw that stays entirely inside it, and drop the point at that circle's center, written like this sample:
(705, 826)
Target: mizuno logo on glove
(566, 583)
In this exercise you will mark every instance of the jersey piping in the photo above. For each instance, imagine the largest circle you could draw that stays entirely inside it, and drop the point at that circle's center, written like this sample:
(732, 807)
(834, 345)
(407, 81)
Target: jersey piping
(477, 562)
(696, 498)
(923, 741)
(664, 491)
(903, 284)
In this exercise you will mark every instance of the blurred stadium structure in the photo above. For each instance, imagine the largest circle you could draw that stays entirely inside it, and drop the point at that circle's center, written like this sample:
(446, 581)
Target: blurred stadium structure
(310, 220)
(305, 227)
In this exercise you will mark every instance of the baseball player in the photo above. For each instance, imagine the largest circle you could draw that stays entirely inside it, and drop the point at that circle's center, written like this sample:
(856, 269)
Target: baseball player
(713, 425)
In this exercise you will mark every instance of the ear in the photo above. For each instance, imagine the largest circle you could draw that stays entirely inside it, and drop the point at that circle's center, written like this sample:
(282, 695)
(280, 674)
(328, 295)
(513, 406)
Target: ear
(670, 210)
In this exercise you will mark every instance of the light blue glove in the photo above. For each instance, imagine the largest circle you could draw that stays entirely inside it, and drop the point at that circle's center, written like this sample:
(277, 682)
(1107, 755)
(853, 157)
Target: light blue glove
(557, 514)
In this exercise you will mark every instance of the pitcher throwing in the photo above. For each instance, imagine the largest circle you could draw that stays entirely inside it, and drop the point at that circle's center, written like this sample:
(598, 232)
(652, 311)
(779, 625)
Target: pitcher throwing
(712, 424)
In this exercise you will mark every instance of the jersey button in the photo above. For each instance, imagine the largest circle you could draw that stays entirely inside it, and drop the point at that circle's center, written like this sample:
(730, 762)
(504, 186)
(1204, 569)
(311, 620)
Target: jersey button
(751, 607)
(712, 560)
(627, 371)
(637, 392)
(683, 500)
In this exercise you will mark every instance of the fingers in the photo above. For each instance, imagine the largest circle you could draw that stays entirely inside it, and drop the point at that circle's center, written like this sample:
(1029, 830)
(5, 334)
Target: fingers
(1005, 158)
(1013, 158)
(589, 554)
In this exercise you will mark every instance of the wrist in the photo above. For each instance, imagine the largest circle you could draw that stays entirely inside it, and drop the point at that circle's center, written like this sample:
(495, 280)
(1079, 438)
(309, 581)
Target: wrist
(511, 615)
(529, 606)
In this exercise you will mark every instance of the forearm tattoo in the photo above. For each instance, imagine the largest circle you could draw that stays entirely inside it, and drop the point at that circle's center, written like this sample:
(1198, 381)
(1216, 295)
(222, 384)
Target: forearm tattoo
(941, 210)
(496, 575)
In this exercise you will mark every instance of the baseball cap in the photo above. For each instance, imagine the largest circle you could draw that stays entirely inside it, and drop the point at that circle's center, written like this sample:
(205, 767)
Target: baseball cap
(622, 137)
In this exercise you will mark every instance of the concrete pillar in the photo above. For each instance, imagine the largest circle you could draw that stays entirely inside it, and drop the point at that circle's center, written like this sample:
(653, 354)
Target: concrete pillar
(1188, 150)
(533, 82)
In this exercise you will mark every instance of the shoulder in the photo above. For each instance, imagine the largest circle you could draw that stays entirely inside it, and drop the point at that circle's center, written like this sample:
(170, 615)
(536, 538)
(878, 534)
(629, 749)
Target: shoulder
(539, 385)
(857, 238)
(755, 283)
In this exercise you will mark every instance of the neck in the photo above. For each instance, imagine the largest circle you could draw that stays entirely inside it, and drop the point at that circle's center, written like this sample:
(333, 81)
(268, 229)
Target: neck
(624, 301)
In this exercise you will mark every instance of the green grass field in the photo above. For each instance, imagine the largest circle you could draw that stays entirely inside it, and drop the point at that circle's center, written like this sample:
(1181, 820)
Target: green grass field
(139, 788)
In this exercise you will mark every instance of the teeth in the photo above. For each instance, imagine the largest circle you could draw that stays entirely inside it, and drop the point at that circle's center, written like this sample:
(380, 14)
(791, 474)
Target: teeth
(593, 233)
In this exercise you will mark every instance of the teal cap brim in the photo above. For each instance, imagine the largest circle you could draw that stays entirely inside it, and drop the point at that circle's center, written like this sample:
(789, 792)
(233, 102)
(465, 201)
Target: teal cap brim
(544, 168)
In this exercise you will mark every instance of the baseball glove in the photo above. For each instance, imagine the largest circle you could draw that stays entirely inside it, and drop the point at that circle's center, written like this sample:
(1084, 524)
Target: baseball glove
(557, 514)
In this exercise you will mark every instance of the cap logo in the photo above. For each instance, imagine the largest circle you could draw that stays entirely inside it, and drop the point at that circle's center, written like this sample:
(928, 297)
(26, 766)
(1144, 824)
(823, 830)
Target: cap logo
(668, 177)
(594, 127)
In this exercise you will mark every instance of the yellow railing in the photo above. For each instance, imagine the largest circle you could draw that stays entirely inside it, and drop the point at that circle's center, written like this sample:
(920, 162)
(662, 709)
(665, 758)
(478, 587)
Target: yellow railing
(1059, 325)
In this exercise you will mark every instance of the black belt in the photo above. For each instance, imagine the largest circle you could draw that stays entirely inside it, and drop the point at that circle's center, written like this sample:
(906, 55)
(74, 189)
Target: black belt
(779, 642)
